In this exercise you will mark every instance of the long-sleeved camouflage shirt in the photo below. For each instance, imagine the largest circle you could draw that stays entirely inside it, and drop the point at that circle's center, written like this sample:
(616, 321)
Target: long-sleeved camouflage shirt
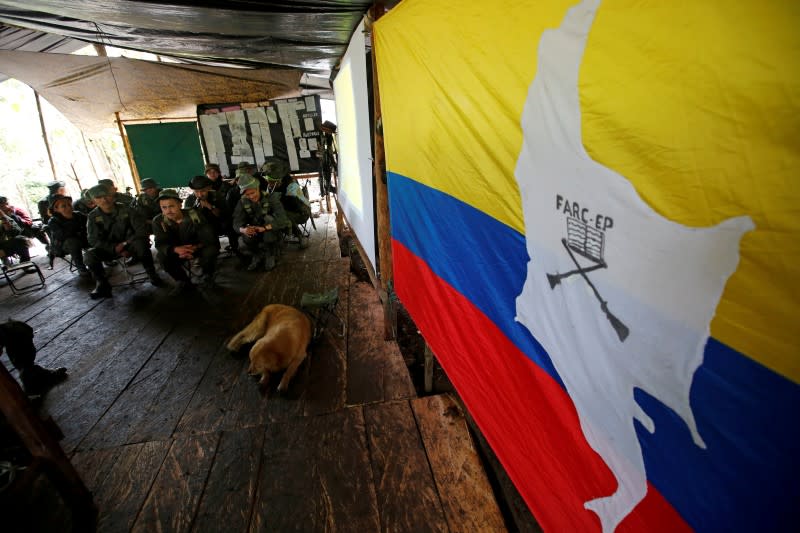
(106, 230)
(268, 210)
(193, 229)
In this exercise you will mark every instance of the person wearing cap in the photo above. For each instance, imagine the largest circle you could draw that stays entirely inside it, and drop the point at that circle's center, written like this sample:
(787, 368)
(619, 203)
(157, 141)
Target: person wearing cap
(294, 200)
(146, 203)
(218, 183)
(84, 204)
(209, 202)
(122, 198)
(115, 230)
(260, 219)
(68, 231)
(43, 205)
(184, 235)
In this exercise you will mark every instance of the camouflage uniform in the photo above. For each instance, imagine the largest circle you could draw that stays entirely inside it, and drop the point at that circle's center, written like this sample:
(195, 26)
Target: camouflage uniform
(106, 230)
(267, 211)
(193, 229)
(147, 206)
(69, 236)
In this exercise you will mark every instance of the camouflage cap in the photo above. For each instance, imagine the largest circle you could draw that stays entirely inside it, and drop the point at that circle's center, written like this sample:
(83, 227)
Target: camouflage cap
(248, 182)
(98, 191)
(169, 194)
(200, 182)
(107, 182)
(210, 166)
(85, 195)
(53, 186)
(149, 183)
(56, 197)
(244, 165)
(3, 200)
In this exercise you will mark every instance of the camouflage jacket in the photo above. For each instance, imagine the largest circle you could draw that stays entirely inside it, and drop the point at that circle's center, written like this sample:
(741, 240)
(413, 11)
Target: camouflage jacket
(193, 229)
(147, 207)
(61, 229)
(106, 230)
(268, 210)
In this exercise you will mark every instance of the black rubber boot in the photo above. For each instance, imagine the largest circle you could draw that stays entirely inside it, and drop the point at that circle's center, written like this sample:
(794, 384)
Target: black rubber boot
(155, 279)
(37, 380)
(101, 290)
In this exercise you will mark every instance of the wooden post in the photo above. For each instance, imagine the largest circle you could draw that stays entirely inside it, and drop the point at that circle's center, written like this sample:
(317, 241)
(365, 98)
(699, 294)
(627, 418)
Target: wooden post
(385, 270)
(100, 49)
(129, 153)
(44, 134)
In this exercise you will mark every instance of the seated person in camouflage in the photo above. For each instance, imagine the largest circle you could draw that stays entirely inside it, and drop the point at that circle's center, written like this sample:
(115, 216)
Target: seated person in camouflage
(84, 204)
(146, 203)
(23, 219)
(218, 184)
(54, 187)
(115, 230)
(210, 203)
(119, 197)
(11, 240)
(68, 232)
(294, 200)
(184, 235)
(260, 220)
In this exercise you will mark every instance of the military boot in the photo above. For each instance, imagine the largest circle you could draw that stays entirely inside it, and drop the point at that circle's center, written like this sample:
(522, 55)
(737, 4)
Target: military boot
(101, 290)
(255, 262)
(155, 279)
(269, 262)
(37, 380)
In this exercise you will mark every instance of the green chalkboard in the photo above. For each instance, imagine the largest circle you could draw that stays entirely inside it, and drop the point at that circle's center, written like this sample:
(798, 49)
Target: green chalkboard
(169, 153)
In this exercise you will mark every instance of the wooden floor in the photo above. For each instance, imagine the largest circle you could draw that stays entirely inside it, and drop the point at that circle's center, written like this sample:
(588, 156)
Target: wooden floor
(171, 434)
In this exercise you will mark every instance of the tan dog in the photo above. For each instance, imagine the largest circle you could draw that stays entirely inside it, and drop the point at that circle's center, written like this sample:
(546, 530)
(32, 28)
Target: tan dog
(281, 334)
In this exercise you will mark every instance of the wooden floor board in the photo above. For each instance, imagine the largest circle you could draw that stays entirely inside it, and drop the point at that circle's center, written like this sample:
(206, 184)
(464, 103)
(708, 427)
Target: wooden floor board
(227, 499)
(332, 491)
(406, 492)
(464, 489)
(172, 502)
(128, 484)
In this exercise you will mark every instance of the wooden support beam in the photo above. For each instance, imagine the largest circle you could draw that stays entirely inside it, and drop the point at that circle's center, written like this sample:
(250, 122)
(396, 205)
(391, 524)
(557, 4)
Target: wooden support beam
(44, 134)
(384, 266)
(91, 161)
(428, 368)
(128, 152)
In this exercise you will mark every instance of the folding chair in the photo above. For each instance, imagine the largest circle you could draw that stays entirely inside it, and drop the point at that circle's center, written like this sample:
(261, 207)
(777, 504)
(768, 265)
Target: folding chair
(133, 278)
(321, 307)
(21, 269)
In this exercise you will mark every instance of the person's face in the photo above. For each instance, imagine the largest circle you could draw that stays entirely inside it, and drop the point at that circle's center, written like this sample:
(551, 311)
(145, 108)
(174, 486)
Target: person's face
(202, 194)
(5, 208)
(212, 174)
(91, 203)
(151, 192)
(105, 203)
(63, 208)
(60, 190)
(253, 195)
(171, 209)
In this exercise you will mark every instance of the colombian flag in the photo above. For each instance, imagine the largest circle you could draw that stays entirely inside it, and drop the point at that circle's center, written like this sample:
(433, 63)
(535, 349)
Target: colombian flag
(595, 222)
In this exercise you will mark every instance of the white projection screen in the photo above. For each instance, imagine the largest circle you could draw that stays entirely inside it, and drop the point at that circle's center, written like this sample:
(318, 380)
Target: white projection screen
(355, 148)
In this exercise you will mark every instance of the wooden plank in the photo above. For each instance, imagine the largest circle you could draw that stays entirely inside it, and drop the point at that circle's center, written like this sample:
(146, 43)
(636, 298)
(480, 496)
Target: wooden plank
(172, 501)
(104, 364)
(315, 476)
(406, 491)
(125, 488)
(231, 487)
(327, 380)
(375, 368)
(207, 409)
(165, 411)
(93, 466)
(467, 499)
(513, 506)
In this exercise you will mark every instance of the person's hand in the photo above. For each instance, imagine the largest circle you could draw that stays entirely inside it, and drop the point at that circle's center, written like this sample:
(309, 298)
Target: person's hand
(119, 249)
(262, 229)
(185, 251)
(249, 230)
